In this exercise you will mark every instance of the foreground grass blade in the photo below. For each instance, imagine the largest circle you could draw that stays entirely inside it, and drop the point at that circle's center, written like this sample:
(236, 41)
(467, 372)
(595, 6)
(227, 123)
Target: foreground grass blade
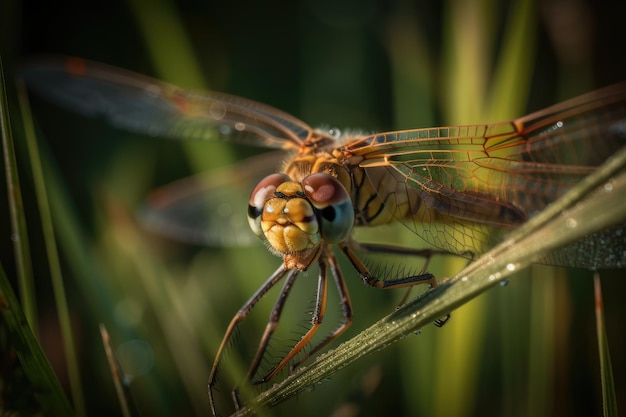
(36, 367)
(16, 208)
(52, 253)
(22, 322)
(609, 400)
(591, 206)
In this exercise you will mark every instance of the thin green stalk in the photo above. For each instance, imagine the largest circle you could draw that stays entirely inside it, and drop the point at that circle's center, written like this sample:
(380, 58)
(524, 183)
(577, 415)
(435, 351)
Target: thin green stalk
(52, 253)
(609, 399)
(20, 324)
(470, 29)
(542, 328)
(18, 220)
(174, 60)
(512, 75)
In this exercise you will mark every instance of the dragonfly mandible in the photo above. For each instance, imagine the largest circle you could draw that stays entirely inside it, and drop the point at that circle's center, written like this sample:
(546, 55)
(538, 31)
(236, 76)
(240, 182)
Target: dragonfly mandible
(460, 188)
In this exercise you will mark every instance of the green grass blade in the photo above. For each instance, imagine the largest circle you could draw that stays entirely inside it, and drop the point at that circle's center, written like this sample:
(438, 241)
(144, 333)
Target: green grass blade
(35, 364)
(174, 60)
(164, 34)
(544, 233)
(412, 69)
(16, 208)
(480, 83)
(512, 75)
(609, 399)
(52, 253)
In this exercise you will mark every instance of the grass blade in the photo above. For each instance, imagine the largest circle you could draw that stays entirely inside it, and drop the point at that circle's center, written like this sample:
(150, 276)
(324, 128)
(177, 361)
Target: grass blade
(122, 388)
(512, 76)
(18, 220)
(34, 362)
(609, 399)
(22, 323)
(52, 253)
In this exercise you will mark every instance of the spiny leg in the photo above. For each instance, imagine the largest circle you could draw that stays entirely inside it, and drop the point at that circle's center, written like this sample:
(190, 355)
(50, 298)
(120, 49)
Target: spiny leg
(346, 306)
(316, 320)
(270, 328)
(405, 282)
(372, 281)
(427, 254)
(240, 316)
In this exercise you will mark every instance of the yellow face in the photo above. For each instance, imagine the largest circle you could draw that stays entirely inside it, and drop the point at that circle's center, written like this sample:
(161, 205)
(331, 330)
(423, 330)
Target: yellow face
(295, 218)
(289, 222)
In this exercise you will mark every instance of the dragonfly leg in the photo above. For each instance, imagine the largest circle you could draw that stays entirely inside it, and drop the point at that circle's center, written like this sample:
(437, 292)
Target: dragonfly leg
(270, 328)
(240, 316)
(427, 254)
(316, 320)
(346, 306)
(369, 279)
(405, 282)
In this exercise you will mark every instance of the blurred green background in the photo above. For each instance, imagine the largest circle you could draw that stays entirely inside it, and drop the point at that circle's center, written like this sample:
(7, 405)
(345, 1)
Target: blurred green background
(525, 349)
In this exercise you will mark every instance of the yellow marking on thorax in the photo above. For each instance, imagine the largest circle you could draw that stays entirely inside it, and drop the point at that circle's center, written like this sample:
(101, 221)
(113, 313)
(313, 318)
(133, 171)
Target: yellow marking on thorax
(305, 165)
(378, 197)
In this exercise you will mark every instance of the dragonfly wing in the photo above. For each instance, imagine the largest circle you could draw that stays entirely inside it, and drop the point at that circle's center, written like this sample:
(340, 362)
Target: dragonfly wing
(468, 184)
(141, 104)
(209, 208)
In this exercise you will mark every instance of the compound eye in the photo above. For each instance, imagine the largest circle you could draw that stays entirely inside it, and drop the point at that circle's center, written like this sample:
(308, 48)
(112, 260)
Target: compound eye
(330, 198)
(261, 193)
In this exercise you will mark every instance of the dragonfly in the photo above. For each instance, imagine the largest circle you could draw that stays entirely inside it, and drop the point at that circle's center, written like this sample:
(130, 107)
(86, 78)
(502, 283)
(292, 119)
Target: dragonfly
(459, 188)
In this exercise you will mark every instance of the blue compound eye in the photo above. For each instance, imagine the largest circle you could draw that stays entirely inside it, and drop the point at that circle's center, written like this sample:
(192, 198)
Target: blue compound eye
(330, 198)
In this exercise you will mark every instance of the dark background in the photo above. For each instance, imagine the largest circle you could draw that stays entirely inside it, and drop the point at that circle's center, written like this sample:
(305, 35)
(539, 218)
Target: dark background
(326, 63)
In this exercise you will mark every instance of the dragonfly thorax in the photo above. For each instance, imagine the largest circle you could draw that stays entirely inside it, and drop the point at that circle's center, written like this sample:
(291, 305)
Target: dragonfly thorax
(295, 218)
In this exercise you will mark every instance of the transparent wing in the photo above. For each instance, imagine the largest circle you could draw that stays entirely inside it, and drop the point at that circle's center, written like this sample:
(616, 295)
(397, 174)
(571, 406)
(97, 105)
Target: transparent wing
(466, 185)
(209, 208)
(145, 105)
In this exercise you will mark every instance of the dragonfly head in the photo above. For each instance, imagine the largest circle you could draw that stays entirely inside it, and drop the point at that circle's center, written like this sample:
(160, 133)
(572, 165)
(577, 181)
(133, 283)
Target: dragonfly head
(296, 217)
